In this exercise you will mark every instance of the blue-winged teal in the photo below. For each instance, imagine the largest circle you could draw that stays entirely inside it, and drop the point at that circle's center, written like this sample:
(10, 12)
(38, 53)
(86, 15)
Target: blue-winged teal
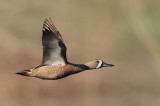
(54, 63)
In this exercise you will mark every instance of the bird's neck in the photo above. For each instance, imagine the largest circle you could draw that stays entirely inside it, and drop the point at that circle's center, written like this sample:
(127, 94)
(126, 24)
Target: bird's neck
(79, 67)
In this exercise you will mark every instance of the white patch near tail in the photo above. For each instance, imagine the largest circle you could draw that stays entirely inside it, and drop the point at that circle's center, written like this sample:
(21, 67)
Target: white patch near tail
(99, 64)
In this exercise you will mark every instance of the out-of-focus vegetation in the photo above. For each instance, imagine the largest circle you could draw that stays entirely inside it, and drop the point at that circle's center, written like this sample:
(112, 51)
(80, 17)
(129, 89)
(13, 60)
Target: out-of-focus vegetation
(122, 32)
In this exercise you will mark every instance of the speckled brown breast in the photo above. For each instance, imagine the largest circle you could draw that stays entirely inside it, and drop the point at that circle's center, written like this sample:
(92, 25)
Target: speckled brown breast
(56, 72)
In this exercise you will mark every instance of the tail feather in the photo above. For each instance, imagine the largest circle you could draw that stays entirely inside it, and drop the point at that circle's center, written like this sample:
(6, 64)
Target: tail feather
(24, 73)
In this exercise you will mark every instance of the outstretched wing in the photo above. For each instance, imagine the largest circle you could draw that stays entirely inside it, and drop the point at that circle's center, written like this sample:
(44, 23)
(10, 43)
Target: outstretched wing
(54, 49)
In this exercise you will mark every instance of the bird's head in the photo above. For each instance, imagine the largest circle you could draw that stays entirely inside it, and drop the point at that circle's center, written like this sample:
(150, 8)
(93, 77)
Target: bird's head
(97, 63)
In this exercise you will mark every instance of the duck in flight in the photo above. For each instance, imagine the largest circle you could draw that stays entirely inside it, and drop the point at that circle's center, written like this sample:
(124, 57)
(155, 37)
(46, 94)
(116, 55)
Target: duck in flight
(54, 62)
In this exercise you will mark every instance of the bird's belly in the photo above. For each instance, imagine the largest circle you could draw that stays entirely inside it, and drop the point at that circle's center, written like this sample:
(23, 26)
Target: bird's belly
(54, 72)
(52, 75)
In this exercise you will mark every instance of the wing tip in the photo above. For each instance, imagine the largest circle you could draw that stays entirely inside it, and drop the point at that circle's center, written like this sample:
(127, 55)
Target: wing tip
(47, 19)
(48, 24)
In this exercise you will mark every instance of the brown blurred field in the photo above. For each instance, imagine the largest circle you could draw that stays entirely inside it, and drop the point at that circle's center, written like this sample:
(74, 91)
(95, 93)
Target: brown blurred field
(125, 33)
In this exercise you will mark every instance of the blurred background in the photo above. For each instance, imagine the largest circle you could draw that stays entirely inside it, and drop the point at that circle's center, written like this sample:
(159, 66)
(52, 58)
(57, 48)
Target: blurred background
(121, 32)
